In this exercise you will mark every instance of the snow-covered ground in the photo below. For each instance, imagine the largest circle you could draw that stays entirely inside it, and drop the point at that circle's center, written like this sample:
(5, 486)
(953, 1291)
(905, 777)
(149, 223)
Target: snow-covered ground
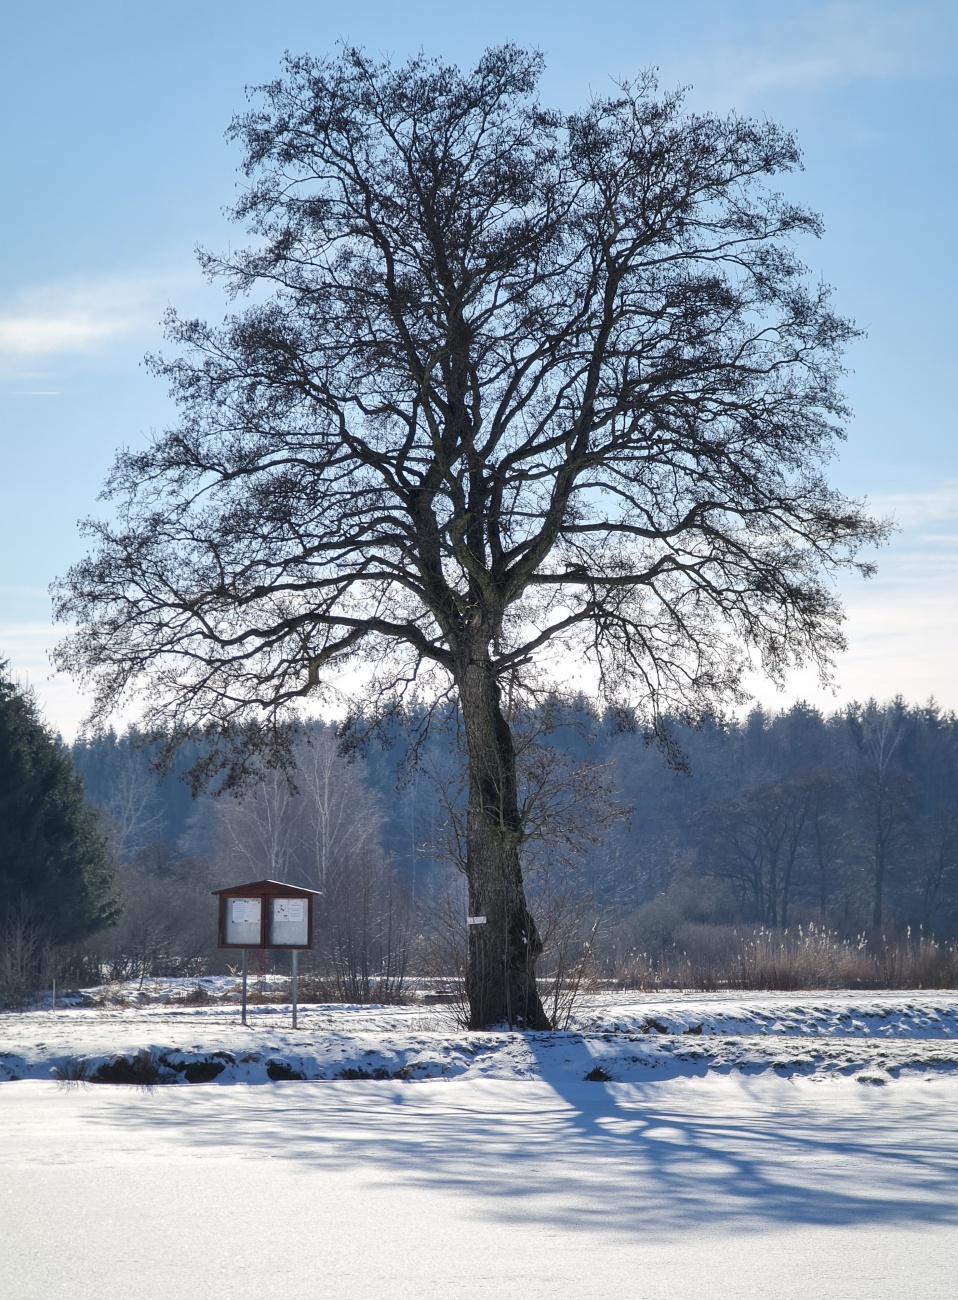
(630, 1037)
(734, 1154)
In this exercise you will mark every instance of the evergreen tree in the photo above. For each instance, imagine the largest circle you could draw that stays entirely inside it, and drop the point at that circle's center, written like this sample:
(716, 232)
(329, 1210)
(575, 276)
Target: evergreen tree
(53, 859)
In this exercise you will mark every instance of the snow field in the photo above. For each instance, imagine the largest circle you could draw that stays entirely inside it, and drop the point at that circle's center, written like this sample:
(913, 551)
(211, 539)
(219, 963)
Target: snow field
(718, 1187)
(734, 1156)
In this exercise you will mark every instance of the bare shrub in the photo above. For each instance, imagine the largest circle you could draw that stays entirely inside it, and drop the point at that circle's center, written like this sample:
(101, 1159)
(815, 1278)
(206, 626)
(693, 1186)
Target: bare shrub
(567, 967)
(441, 946)
(363, 945)
(72, 1069)
(168, 925)
(598, 1075)
(568, 930)
(198, 995)
(143, 1069)
(567, 807)
(315, 988)
(27, 960)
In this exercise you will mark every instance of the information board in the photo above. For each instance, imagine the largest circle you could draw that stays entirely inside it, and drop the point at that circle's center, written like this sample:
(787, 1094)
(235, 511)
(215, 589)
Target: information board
(243, 921)
(288, 923)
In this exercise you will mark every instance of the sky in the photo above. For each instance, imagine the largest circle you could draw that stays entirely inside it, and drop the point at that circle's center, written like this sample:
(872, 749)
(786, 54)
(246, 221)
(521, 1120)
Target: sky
(115, 167)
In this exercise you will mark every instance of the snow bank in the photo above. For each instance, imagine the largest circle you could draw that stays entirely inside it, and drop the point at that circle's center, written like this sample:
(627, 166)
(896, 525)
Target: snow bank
(877, 1037)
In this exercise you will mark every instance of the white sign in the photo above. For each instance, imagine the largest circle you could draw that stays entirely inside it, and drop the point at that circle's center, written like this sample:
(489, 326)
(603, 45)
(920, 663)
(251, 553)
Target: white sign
(289, 910)
(245, 911)
(475, 920)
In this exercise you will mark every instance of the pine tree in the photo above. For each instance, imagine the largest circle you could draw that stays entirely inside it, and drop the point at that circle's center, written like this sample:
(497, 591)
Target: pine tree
(53, 860)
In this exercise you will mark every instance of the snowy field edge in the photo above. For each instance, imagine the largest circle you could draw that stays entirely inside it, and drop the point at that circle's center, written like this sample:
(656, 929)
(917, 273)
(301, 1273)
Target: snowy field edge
(874, 1037)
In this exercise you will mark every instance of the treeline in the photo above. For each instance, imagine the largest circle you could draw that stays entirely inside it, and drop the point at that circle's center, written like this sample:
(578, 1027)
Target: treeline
(783, 849)
(841, 830)
(849, 821)
(846, 823)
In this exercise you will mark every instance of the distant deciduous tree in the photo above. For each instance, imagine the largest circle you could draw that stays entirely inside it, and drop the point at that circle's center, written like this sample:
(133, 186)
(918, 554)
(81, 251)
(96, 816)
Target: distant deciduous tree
(520, 388)
(322, 829)
(756, 842)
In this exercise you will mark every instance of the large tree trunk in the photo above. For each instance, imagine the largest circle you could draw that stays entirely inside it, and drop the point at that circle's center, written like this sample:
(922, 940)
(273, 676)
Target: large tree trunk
(503, 950)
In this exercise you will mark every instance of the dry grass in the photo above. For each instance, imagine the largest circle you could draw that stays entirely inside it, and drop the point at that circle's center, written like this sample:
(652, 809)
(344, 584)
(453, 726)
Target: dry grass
(788, 960)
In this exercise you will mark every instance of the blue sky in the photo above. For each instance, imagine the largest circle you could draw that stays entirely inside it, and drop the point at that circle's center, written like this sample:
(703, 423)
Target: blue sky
(115, 168)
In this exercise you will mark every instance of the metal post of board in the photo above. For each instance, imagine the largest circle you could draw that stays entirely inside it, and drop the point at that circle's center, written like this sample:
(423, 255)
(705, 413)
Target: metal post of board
(295, 973)
(244, 986)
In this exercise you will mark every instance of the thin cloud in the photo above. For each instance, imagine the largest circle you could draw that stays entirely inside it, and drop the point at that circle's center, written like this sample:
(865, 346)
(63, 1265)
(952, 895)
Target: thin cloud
(811, 46)
(41, 336)
(917, 509)
(47, 323)
(902, 626)
(900, 642)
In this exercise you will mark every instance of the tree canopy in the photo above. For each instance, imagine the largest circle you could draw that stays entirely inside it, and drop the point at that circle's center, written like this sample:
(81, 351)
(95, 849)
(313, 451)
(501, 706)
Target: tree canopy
(53, 860)
(518, 389)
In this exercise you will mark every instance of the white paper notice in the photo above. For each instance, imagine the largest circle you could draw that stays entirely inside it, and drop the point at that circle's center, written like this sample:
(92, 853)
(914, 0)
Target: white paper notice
(245, 911)
(288, 923)
(287, 910)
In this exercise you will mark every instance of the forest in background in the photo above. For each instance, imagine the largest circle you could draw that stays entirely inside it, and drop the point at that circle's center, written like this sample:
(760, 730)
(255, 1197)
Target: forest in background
(781, 849)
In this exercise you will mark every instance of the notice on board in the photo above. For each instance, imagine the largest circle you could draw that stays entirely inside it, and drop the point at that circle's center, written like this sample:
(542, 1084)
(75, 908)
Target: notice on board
(245, 911)
(289, 910)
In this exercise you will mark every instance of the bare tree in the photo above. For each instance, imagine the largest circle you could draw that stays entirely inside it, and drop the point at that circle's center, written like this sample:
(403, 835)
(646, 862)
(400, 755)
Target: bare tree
(340, 818)
(134, 816)
(259, 834)
(27, 958)
(755, 842)
(885, 794)
(828, 834)
(319, 824)
(365, 930)
(518, 388)
(567, 806)
(300, 823)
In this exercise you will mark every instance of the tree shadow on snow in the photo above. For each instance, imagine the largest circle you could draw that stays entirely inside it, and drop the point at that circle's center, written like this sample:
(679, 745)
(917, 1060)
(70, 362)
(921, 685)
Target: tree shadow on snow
(737, 1154)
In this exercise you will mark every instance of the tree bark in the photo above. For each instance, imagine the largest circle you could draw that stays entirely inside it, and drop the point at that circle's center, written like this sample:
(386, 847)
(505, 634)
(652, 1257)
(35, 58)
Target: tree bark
(504, 949)
(879, 887)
